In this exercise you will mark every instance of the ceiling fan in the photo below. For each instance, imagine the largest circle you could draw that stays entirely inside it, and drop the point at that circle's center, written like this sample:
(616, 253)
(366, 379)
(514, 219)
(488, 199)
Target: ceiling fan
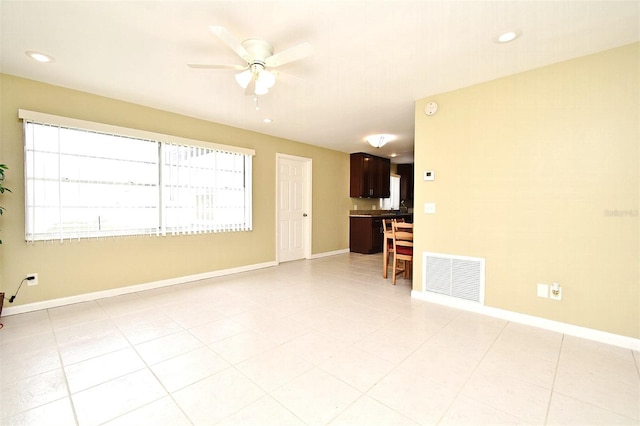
(258, 55)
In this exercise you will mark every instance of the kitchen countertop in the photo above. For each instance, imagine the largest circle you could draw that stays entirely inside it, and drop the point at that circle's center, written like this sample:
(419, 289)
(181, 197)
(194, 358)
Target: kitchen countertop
(377, 213)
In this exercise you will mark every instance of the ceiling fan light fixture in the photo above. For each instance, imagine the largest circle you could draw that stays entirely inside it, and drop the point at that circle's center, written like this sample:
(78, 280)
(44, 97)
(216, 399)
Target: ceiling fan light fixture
(260, 90)
(264, 81)
(244, 78)
(266, 78)
(378, 141)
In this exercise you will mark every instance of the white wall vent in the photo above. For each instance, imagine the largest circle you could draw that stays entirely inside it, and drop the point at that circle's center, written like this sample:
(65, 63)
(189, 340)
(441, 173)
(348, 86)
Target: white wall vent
(461, 277)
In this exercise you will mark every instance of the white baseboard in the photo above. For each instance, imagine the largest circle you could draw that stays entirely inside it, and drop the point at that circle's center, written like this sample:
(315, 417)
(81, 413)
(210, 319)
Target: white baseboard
(560, 327)
(54, 303)
(329, 253)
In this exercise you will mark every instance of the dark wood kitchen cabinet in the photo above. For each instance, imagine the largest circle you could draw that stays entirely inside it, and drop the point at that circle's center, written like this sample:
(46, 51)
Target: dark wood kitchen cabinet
(406, 181)
(365, 234)
(370, 176)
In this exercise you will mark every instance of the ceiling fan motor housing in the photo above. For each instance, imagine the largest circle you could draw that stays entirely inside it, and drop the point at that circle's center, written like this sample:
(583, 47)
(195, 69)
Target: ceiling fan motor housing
(259, 50)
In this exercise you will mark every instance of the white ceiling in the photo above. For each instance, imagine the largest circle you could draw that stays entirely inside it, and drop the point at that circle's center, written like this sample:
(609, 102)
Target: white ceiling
(372, 59)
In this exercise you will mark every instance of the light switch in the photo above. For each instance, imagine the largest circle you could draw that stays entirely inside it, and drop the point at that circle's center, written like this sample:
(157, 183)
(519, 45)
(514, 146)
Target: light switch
(430, 208)
(429, 175)
(543, 290)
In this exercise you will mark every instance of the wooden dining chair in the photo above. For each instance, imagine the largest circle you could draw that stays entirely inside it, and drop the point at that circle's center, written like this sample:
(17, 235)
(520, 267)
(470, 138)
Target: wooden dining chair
(387, 245)
(402, 249)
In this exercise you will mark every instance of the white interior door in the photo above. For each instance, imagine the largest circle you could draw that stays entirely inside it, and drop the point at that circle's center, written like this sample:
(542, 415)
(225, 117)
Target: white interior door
(293, 207)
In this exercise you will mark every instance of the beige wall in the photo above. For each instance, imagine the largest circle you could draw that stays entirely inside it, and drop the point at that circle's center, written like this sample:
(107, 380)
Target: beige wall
(538, 174)
(78, 267)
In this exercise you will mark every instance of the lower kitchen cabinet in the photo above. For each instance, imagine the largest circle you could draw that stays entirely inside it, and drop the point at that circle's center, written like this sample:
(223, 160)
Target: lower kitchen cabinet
(365, 234)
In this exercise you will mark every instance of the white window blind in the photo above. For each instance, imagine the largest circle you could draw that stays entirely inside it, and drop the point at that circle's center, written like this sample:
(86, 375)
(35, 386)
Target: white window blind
(86, 180)
(204, 190)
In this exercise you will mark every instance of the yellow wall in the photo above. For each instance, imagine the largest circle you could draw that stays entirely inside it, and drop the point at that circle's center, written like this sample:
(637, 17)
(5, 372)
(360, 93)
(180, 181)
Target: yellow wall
(538, 174)
(77, 267)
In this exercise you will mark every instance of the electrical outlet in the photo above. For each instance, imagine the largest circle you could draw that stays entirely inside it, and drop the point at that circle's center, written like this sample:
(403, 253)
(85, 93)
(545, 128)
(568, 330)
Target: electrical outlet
(556, 292)
(32, 279)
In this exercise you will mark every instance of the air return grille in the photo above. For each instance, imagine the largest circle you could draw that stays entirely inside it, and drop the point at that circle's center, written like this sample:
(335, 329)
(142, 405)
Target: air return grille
(456, 276)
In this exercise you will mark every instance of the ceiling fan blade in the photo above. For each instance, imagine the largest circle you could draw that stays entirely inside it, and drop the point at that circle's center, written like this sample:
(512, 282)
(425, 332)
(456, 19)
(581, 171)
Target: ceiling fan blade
(217, 67)
(251, 87)
(289, 55)
(231, 41)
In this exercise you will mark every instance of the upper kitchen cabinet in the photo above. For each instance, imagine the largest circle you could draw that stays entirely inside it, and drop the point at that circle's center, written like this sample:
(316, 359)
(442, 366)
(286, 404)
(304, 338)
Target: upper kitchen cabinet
(370, 176)
(406, 181)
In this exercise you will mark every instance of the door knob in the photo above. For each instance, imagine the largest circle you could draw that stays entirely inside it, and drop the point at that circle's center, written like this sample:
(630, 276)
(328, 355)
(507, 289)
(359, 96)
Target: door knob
(304, 215)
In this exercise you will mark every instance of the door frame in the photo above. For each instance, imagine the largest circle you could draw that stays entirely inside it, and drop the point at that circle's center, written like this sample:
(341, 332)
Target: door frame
(308, 165)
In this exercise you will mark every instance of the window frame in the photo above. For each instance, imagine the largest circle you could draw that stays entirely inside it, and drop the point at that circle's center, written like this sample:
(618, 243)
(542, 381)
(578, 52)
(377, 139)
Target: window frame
(162, 141)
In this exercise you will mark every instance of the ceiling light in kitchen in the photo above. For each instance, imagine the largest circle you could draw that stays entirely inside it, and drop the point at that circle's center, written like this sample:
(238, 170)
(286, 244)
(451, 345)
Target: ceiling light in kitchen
(378, 141)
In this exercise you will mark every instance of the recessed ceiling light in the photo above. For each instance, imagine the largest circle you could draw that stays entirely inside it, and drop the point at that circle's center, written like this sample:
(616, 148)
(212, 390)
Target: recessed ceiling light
(394, 155)
(507, 37)
(268, 120)
(40, 57)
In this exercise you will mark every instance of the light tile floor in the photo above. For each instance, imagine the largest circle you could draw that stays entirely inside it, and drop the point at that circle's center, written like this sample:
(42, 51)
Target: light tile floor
(316, 342)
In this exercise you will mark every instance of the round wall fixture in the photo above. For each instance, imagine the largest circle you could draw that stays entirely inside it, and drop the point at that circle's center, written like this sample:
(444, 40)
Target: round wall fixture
(431, 108)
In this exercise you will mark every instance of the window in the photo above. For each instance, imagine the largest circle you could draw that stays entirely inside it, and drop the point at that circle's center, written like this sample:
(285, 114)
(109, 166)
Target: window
(393, 202)
(87, 180)
(205, 190)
